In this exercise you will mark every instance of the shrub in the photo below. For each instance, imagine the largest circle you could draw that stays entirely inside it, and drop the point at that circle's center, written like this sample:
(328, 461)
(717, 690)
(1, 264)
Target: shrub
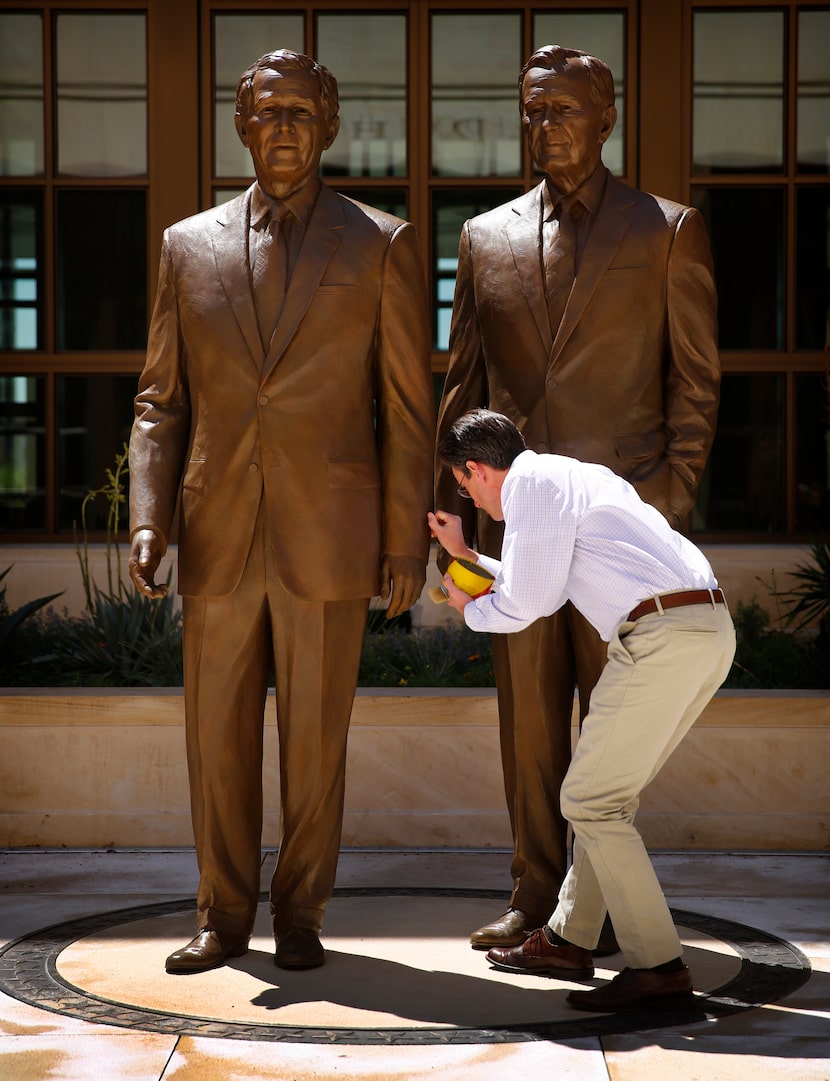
(774, 658)
(446, 656)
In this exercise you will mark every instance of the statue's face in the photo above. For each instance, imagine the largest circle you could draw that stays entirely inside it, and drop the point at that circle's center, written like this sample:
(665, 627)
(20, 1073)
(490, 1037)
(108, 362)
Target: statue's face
(287, 130)
(565, 127)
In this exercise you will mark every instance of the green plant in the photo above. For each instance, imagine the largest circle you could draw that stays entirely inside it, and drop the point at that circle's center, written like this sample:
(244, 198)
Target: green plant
(11, 621)
(809, 601)
(448, 656)
(123, 638)
(768, 657)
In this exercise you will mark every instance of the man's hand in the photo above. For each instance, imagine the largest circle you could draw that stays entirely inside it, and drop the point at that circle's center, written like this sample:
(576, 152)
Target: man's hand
(145, 556)
(447, 530)
(402, 579)
(456, 598)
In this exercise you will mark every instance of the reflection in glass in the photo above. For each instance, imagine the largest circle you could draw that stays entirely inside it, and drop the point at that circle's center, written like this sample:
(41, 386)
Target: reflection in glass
(814, 91)
(21, 95)
(449, 212)
(749, 269)
(102, 271)
(224, 195)
(812, 293)
(812, 452)
(238, 41)
(602, 34)
(476, 59)
(22, 456)
(738, 123)
(367, 56)
(742, 488)
(21, 278)
(95, 414)
(389, 200)
(102, 95)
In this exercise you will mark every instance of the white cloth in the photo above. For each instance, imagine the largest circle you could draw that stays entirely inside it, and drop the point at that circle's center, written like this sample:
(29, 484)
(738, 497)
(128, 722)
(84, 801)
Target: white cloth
(578, 532)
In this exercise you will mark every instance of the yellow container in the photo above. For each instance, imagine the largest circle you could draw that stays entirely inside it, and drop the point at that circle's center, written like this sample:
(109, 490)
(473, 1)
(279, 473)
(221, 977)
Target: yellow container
(471, 577)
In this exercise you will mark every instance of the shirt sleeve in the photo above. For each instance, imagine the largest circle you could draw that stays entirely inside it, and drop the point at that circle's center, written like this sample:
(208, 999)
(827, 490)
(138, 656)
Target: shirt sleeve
(538, 545)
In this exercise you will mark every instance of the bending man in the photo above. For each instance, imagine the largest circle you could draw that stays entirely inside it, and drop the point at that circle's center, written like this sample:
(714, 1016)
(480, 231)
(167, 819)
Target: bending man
(579, 533)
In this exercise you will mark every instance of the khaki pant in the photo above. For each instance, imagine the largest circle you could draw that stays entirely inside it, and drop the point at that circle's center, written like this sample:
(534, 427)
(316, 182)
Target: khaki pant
(661, 672)
(536, 670)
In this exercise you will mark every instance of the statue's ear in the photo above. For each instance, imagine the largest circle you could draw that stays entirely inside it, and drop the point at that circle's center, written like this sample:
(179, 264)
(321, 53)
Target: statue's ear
(334, 127)
(609, 119)
(241, 128)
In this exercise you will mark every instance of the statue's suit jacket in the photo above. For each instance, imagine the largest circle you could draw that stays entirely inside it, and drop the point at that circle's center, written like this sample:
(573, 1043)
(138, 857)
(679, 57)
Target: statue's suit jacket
(631, 380)
(334, 425)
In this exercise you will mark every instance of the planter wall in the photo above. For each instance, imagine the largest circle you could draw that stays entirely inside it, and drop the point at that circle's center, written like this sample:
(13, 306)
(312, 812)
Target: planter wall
(107, 768)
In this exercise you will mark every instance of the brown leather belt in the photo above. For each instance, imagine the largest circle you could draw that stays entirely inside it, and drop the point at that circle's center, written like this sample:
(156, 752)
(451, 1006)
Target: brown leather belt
(677, 600)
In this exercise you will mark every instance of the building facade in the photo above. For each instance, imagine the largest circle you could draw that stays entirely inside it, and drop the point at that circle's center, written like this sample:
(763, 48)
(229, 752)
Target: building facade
(116, 119)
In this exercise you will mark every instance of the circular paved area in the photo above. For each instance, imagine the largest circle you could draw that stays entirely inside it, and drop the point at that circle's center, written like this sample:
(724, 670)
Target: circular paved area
(399, 970)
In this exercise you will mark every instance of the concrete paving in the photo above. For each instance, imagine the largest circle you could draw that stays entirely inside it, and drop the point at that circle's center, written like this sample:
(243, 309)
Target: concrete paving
(84, 995)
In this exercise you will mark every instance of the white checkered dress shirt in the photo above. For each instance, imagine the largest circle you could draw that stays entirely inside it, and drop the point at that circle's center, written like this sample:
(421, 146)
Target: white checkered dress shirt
(577, 532)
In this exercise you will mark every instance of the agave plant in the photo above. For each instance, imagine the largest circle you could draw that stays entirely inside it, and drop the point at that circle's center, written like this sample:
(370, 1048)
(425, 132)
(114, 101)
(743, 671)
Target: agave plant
(808, 601)
(10, 621)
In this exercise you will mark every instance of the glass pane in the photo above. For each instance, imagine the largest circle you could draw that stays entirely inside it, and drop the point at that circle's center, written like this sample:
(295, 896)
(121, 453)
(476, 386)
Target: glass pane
(102, 269)
(813, 268)
(449, 212)
(812, 452)
(476, 59)
(367, 56)
(742, 488)
(95, 414)
(749, 265)
(21, 270)
(21, 95)
(22, 455)
(390, 200)
(239, 40)
(814, 91)
(738, 121)
(602, 34)
(102, 95)
(224, 195)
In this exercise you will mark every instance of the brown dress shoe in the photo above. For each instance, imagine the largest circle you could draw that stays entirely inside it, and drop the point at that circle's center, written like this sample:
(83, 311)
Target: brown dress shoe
(208, 949)
(637, 987)
(300, 947)
(511, 929)
(538, 957)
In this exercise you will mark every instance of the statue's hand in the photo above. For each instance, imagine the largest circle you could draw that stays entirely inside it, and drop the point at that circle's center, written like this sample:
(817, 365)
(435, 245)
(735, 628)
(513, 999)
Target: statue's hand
(402, 579)
(145, 556)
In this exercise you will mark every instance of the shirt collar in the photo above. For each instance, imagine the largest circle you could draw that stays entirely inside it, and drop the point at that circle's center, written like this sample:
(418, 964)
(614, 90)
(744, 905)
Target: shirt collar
(300, 203)
(589, 193)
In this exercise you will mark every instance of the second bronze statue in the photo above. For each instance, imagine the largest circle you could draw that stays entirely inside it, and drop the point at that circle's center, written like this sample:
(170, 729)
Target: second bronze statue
(586, 312)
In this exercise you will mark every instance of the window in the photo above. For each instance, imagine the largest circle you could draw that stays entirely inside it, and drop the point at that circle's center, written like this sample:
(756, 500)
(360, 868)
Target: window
(760, 157)
(73, 253)
(116, 119)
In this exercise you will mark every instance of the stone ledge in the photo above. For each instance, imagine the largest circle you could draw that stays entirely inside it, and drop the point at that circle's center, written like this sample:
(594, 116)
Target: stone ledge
(90, 769)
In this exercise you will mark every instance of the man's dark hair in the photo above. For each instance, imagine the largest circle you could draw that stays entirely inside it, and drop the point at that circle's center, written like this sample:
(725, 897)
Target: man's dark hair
(481, 436)
(286, 60)
(555, 57)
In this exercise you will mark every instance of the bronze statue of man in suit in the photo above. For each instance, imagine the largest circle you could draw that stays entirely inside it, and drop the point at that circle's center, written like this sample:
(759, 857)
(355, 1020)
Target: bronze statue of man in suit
(586, 312)
(286, 405)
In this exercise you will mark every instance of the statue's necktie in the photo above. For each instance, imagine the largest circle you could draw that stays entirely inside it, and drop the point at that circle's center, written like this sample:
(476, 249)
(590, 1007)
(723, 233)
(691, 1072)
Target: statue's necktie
(560, 262)
(270, 273)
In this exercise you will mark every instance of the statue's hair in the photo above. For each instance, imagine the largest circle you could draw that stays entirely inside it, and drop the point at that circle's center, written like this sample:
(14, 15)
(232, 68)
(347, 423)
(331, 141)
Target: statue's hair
(286, 60)
(555, 57)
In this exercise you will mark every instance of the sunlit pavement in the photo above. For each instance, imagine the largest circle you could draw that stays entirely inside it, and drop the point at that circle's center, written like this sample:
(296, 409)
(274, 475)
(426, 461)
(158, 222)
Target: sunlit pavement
(84, 995)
